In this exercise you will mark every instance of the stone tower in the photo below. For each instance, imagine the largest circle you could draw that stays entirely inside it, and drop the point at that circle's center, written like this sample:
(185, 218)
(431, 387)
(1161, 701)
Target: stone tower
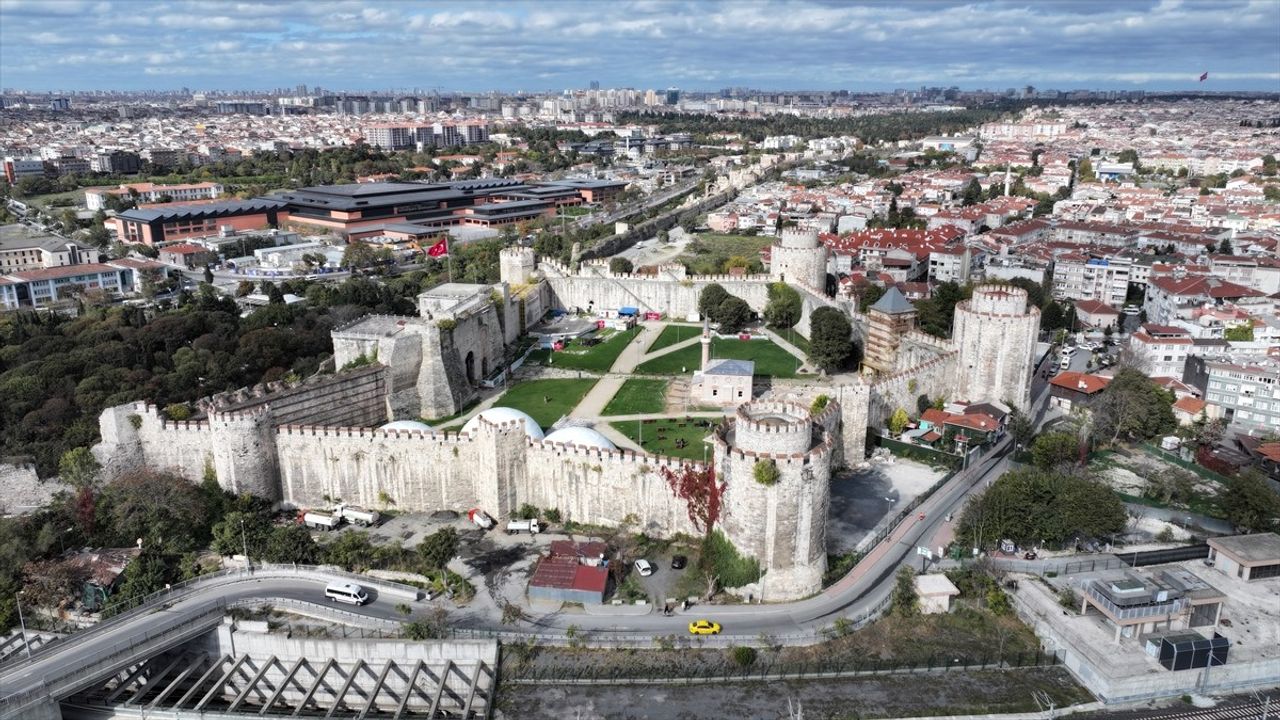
(780, 521)
(798, 257)
(995, 333)
(887, 320)
(516, 265)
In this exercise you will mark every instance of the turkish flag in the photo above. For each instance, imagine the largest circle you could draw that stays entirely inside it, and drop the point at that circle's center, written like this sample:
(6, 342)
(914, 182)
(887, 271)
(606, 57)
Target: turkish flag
(1204, 77)
(440, 249)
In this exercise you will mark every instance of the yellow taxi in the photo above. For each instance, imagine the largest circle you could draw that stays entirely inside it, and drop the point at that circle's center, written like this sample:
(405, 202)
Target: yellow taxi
(704, 627)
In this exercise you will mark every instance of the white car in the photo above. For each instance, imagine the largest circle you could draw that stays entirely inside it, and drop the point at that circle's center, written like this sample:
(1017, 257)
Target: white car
(1132, 310)
(644, 568)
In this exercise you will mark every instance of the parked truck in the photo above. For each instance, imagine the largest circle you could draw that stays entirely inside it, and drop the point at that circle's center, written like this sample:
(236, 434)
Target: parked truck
(317, 520)
(480, 518)
(518, 526)
(357, 515)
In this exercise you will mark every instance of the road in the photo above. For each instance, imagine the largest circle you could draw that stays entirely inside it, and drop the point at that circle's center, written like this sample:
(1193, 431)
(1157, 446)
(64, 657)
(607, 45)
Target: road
(858, 594)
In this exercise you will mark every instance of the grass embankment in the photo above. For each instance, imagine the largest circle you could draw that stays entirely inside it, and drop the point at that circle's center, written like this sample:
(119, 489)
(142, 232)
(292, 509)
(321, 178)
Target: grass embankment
(546, 400)
(709, 253)
(579, 356)
(638, 396)
(770, 359)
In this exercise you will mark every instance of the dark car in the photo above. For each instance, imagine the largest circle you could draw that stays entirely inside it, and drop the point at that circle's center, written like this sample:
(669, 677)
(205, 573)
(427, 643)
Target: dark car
(679, 562)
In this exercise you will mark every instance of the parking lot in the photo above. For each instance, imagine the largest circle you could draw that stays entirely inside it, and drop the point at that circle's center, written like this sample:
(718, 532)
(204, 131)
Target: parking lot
(862, 498)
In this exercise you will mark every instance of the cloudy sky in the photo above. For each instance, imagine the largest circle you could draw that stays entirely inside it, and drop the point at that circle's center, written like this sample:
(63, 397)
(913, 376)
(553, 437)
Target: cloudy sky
(557, 44)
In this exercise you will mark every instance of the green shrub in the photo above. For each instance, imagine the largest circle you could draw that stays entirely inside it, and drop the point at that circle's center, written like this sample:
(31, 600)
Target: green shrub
(742, 656)
(722, 559)
(528, 512)
(552, 515)
(819, 404)
(177, 411)
(766, 472)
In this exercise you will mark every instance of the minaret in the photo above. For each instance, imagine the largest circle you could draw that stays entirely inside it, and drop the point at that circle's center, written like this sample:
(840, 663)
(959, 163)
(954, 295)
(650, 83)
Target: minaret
(706, 343)
(1006, 179)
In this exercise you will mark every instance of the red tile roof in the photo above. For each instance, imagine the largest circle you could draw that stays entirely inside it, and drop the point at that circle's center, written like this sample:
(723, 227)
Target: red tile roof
(1189, 405)
(1081, 382)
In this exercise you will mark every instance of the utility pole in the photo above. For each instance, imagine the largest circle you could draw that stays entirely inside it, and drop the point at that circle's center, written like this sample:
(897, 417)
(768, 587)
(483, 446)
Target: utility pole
(23, 623)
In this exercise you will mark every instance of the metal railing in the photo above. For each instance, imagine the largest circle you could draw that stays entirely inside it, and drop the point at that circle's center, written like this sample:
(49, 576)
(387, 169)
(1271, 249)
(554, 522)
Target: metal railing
(119, 613)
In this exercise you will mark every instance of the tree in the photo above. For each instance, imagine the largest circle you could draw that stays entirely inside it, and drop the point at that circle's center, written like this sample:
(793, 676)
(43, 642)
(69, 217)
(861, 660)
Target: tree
(1030, 505)
(620, 266)
(830, 343)
(1132, 407)
(784, 307)
(710, 298)
(906, 601)
(870, 294)
(1128, 156)
(1250, 504)
(53, 583)
(701, 490)
(358, 255)
(438, 548)
(168, 513)
(898, 421)
(1055, 448)
(208, 274)
(238, 530)
(290, 544)
(1021, 427)
(1239, 333)
(972, 193)
(1224, 247)
(1084, 171)
(78, 467)
(733, 314)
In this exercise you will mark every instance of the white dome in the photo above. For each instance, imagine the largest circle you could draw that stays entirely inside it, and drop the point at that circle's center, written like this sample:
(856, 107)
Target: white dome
(407, 425)
(583, 436)
(498, 415)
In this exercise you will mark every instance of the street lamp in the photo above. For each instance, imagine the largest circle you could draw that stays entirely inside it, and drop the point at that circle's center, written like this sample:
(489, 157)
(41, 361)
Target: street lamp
(245, 544)
(23, 623)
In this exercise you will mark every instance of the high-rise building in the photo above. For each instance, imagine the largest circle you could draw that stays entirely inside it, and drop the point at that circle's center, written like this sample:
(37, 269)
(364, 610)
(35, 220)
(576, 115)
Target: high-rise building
(673, 96)
(595, 84)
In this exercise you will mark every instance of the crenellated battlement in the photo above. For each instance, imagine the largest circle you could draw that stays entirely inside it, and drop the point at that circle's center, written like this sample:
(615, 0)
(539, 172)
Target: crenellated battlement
(328, 431)
(905, 375)
(783, 418)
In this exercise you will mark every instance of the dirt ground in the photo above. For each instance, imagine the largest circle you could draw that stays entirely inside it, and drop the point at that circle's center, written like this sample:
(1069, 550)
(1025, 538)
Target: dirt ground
(954, 693)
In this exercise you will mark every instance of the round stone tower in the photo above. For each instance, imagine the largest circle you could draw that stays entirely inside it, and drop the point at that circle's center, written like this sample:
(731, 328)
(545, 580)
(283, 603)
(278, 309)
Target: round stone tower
(516, 265)
(798, 257)
(995, 333)
(775, 460)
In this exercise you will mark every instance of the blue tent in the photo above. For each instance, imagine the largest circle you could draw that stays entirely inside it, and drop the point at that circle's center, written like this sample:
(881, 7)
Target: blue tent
(628, 311)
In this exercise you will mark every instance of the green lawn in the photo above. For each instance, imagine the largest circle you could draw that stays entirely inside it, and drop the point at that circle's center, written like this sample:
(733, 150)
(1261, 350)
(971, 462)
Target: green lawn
(75, 196)
(546, 401)
(598, 358)
(673, 334)
(661, 436)
(638, 396)
(769, 358)
(794, 338)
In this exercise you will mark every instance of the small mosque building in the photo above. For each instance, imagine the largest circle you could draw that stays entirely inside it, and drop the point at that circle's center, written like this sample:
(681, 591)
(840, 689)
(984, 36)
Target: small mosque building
(721, 382)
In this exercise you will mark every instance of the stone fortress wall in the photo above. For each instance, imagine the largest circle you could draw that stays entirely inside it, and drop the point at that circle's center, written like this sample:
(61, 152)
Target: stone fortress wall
(313, 444)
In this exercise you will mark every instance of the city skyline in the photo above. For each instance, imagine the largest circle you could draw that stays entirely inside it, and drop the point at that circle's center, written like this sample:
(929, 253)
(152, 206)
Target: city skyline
(71, 46)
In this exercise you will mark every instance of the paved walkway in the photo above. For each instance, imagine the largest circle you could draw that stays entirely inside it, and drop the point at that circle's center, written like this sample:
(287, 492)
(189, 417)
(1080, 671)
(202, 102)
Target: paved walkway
(795, 351)
(626, 362)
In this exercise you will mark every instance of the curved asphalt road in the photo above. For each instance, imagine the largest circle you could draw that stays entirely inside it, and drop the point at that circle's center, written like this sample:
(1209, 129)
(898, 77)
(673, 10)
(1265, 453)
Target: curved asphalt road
(855, 595)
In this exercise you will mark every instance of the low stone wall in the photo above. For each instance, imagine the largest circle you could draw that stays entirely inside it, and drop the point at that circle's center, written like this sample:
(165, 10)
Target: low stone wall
(22, 490)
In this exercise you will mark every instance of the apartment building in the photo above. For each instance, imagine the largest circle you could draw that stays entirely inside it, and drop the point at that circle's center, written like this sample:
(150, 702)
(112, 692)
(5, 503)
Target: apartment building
(1171, 297)
(1091, 276)
(1243, 390)
(1163, 349)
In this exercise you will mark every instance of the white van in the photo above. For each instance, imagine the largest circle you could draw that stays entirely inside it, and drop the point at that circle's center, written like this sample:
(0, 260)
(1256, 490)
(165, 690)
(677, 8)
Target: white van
(349, 593)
